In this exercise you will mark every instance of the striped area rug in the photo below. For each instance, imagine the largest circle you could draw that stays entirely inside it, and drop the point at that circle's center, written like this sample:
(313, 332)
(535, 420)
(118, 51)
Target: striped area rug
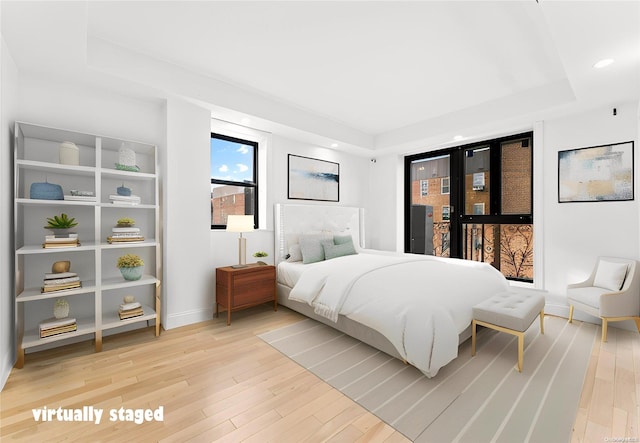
(472, 399)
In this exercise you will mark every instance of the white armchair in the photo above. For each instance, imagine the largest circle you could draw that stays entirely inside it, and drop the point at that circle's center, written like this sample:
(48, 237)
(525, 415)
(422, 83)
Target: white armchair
(612, 292)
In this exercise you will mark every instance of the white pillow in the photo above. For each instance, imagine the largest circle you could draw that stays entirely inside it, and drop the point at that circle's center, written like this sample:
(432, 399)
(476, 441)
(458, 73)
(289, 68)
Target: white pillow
(610, 275)
(295, 254)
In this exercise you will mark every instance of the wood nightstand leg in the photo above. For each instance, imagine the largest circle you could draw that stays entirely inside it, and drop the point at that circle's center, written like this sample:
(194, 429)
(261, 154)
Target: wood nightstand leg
(228, 316)
(20, 359)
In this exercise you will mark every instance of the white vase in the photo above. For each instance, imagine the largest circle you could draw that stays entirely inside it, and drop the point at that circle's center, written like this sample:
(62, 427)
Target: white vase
(69, 154)
(61, 308)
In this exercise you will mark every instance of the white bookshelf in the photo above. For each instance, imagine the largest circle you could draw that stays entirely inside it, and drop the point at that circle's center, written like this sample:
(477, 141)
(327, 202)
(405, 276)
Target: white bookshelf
(95, 304)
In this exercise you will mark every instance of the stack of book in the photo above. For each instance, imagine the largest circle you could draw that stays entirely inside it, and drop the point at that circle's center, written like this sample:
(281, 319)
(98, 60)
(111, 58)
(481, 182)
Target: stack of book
(126, 234)
(59, 281)
(130, 310)
(55, 326)
(125, 200)
(81, 196)
(57, 241)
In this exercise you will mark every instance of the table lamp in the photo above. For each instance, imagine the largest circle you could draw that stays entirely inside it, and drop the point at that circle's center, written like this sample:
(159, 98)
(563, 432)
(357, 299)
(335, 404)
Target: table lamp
(240, 223)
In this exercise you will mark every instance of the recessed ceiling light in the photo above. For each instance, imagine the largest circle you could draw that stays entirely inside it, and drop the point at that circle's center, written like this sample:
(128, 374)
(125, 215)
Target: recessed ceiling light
(602, 63)
(334, 145)
(458, 138)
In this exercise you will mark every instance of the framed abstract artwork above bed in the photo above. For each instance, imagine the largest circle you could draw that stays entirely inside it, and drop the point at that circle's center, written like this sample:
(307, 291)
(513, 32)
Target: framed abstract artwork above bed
(598, 173)
(313, 179)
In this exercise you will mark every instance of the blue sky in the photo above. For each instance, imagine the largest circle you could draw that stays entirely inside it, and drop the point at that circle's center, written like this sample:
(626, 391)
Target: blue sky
(231, 161)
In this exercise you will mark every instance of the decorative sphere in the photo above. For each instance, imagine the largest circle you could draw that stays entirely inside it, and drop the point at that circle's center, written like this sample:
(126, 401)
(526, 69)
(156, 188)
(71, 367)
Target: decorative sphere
(61, 266)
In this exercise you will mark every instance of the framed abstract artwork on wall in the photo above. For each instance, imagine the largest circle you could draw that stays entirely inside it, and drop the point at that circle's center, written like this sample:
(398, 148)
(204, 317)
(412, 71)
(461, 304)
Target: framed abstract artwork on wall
(313, 179)
(597, 173)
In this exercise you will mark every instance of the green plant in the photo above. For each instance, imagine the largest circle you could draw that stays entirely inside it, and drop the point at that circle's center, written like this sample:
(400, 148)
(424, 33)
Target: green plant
(260, 254)
(129, 261)
(61, 222)
(126, 221)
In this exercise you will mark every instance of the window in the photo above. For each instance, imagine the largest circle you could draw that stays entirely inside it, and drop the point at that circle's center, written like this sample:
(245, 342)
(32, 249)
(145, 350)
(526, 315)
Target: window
(234, 179)
(446, 213)
(424, 187)
(486, 200)
(444, 186)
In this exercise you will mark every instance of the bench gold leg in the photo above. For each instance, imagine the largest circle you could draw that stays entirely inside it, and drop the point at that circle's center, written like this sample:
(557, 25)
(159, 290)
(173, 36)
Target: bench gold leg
(542, 321)
(473, 338)
(570, 313)
(520, 351)
(518, 334)
(605, 323)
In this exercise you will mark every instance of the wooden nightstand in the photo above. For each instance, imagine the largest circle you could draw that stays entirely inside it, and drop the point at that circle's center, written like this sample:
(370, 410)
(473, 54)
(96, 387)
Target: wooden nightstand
(239, 288)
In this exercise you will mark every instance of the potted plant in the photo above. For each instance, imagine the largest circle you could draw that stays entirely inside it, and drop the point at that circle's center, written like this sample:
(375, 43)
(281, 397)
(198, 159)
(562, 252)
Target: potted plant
(130, 266)
(61, 225)
(260, 254)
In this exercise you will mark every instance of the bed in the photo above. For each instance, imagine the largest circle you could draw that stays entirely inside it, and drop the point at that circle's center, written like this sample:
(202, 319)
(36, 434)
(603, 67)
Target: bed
(413, 307)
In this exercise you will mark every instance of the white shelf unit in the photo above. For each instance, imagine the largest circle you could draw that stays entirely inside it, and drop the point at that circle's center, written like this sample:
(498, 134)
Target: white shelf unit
(95, 304)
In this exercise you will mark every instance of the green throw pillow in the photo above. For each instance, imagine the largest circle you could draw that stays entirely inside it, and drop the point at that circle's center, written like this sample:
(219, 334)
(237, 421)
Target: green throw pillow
(332, 250)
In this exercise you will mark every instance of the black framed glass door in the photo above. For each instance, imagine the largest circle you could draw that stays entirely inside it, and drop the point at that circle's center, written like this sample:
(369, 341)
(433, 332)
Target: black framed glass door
(474, 202)
(429, 208)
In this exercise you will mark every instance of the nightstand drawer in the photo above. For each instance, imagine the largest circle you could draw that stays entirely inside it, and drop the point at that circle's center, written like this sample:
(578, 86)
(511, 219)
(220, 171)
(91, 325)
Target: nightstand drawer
(258, 291)
(244, 278)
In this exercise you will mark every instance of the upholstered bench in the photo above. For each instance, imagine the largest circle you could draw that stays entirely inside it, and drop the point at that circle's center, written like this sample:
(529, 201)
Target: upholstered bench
(508, 312)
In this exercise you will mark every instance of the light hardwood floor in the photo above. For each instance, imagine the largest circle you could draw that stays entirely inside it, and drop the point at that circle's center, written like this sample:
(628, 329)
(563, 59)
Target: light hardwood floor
(222, 383)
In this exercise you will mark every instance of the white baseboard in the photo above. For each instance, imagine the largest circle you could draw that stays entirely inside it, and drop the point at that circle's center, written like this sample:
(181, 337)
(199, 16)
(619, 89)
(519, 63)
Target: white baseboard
(187, 318)
(7, 366)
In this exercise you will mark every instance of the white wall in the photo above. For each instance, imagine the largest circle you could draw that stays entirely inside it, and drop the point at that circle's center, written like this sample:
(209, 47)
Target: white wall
(8, 88)
(187, 271)
(88, 109)
(353, 172)
(576, 233)
(384, 204)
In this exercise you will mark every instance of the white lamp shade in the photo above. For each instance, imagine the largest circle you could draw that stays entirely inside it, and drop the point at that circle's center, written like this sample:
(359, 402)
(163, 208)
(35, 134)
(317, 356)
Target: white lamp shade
(240, 223)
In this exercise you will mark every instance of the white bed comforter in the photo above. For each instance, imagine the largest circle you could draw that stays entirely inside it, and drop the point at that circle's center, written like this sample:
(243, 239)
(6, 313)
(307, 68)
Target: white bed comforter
(419, 303)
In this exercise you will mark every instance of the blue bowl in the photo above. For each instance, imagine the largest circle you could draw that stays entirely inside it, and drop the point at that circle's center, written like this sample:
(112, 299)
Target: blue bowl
(122, 190)
(46, 191)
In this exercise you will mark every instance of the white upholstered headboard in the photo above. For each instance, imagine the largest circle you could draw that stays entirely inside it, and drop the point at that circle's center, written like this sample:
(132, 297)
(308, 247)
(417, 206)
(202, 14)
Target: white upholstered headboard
(291, 221)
